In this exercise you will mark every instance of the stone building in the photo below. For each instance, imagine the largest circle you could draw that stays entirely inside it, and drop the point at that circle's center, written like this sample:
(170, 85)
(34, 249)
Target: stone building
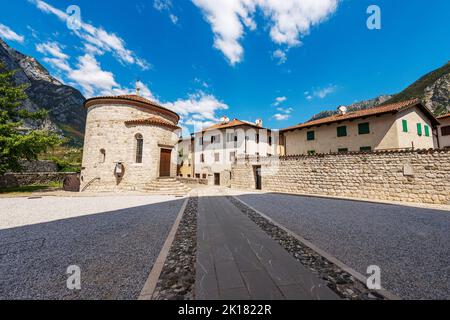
(216, 148)
(403, 125)
(186, 163)
(129, 142)
(444, 131)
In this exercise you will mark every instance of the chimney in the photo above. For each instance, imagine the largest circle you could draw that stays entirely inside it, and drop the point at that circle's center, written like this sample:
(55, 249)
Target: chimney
(342, 110)
(224, 120)
(259, 122)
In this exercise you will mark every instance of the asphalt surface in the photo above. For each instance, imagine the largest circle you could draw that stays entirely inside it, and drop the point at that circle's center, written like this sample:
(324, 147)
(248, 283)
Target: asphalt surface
(410, 245)
(114, 241)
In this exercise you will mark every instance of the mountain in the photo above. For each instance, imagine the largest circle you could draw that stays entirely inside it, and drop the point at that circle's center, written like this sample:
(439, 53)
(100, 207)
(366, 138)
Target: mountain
(433, 89)
(67, 115)
(355, 107)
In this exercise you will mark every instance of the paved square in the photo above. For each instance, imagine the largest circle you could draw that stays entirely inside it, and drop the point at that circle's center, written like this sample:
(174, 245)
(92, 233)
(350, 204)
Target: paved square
(113, 239)
(237, 260)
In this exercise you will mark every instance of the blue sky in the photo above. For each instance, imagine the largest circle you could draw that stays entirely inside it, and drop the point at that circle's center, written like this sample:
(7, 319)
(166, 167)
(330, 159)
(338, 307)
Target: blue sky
(281, 61)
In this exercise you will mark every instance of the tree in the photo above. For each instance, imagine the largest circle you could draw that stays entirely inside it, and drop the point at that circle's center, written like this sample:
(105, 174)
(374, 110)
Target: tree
(16, 142)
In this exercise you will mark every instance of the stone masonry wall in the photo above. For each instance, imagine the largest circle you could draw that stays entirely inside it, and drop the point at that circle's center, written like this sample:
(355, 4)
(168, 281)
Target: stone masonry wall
(39, 166)
(13, 180)
(419, 176)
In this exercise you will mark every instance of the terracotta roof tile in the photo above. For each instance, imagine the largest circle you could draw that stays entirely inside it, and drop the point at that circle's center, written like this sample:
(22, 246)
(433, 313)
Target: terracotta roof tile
(232, 123)
(152, 121)
(445, 116)
(395, 107)
(134, 98)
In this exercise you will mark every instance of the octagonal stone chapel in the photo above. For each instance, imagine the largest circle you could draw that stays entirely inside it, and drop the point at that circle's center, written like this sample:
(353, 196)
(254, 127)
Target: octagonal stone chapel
(129, 142)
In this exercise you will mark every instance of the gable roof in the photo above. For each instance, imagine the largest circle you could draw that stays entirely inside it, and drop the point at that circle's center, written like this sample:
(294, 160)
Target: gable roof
(375, 111)
(231, 124)
(152, 121)
(134, 100)
(445, 116)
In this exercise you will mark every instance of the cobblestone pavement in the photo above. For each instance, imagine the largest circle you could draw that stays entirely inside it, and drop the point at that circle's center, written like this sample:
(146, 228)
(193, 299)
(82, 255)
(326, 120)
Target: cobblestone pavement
(411, 245)
(237, 260)
(114, 240)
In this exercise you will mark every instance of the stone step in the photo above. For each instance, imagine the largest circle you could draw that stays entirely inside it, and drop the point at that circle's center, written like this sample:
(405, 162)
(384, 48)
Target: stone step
(167, 183)
(168, 189)
(166, 186)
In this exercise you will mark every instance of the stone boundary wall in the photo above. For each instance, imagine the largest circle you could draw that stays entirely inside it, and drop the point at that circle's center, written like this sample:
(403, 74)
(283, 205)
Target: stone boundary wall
(413, 176)
(13, 180)
(39, 166)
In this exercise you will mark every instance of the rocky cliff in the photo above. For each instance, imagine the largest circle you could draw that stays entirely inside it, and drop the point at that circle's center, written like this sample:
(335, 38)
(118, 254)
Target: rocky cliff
(64, 103)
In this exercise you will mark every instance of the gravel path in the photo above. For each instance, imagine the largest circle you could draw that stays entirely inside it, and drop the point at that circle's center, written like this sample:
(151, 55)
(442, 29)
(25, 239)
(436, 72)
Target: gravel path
(411, 245)
(114, 240)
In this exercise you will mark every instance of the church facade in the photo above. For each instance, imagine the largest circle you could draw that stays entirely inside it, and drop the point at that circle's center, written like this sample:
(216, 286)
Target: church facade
(129, 142)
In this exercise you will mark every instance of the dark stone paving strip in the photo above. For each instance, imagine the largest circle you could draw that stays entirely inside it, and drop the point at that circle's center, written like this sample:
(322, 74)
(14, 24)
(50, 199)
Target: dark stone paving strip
(177, 278)
(237, 260)
(341, 282)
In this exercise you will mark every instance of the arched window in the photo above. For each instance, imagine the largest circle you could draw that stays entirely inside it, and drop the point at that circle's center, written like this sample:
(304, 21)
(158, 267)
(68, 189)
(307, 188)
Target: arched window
(139, 147)
(102, 155)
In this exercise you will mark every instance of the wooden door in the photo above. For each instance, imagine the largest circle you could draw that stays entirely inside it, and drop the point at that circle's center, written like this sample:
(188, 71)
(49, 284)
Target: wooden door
(258, 178)
(164, 164)
(217, 179)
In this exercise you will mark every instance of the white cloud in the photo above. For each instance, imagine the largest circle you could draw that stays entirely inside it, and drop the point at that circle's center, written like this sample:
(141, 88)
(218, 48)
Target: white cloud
(281, 117)
(58, 64)
(143, 92)
(198, 106)
(165, 6)
(8, 34)
(87, 74)
(289, 20)
(91, 77)
(280, 55)
(96, 39)
(285, 110)
(279, 100)
(284, 114)
(54, 55)
(324, 92)
(52, 48)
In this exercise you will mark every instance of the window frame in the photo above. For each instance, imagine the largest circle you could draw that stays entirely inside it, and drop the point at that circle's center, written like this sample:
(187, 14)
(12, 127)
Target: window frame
(445, 131)
(426, 129)
(139, 154)
(364, 128)
(405, 128)
(339, 132)
(310, 135)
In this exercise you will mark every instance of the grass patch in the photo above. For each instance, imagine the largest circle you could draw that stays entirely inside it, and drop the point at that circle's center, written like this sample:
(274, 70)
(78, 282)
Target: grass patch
(32, 188)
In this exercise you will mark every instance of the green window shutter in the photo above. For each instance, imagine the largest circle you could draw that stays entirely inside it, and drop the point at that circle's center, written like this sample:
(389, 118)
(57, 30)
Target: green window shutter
(342, 131)
(342, 150)
(427, 131)
(365, 149)
(310, 135)
(405, 125)
(419, 129)
(311, 152)
(363, 128)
